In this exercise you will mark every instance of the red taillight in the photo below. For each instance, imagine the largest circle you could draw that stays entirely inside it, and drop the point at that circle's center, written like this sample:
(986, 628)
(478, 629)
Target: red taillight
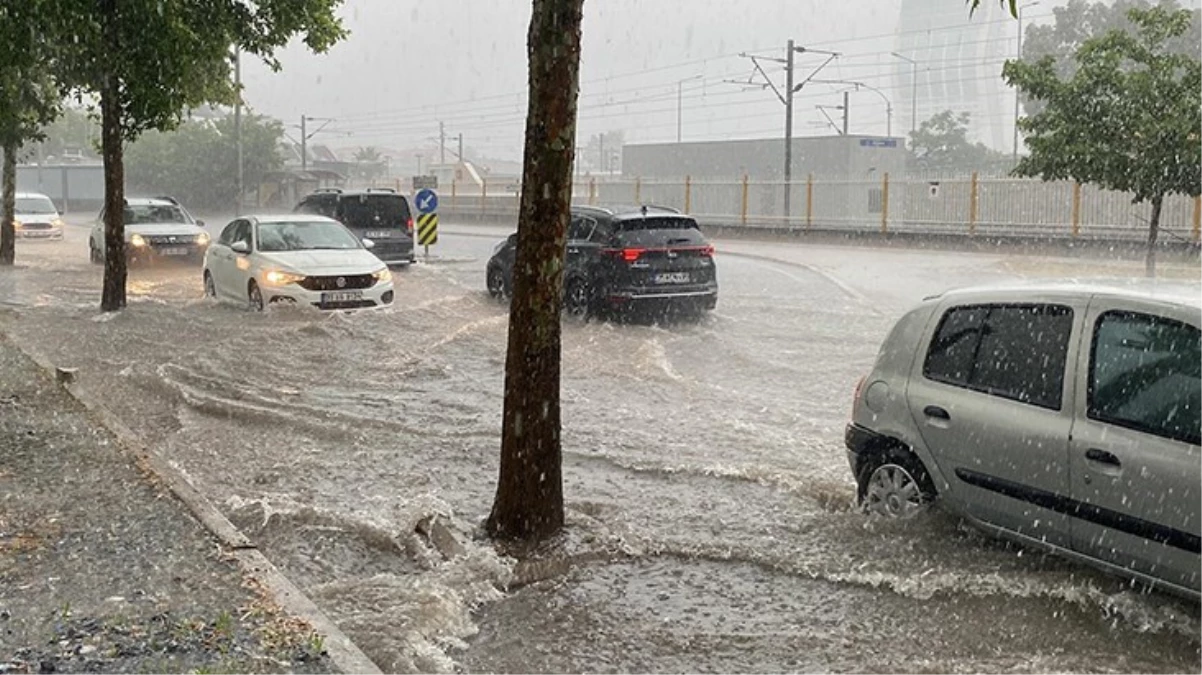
(628, 254)
(409, 225)
(707, 251)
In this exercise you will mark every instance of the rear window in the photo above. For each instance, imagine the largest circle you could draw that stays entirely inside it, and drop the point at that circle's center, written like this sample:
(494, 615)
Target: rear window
(373, 211)
(658, 232)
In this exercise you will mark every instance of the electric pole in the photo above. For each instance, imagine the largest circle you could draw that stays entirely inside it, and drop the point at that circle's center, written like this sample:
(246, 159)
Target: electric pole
(786, 98)
(304, 143)
(442, 143)
(240, 189)
(846, 111)
(460, 153)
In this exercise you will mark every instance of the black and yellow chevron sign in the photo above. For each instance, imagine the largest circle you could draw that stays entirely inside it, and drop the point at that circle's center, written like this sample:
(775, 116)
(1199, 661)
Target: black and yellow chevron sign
(427, 229)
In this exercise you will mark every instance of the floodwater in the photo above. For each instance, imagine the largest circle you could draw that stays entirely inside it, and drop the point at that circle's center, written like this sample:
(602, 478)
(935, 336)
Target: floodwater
(704, 461)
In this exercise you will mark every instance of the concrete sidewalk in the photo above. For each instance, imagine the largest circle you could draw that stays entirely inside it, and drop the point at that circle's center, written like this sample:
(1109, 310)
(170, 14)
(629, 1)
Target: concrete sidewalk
(102, 569)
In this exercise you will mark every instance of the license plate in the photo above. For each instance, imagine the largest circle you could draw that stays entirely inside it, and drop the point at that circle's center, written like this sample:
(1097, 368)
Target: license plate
(174, 251)
(341, 296)
(377, 234)
(672, 278)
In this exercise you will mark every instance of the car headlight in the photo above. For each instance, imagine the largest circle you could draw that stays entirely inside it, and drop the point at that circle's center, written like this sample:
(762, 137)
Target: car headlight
(137, 241)
(57, 222)
(383, 275)
(16, 224)
(278, 278)
(203, 239)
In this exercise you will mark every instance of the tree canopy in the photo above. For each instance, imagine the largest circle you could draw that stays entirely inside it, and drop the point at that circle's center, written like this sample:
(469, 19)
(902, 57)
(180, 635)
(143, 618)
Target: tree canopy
(941, 144)
(1128, 119)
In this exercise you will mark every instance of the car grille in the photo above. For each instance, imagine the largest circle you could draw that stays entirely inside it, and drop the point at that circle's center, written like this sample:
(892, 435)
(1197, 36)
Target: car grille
(169, 239)
(350, 282)
(348, 304)
(37, 226)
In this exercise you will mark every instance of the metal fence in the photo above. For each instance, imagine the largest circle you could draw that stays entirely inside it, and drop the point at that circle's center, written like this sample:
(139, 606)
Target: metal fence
(969, 206)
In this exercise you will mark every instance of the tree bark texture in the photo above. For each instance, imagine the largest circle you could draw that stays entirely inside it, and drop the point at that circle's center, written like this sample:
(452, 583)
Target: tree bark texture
(8, 235)
(112, 297)
(529, 500)
(1153, 233)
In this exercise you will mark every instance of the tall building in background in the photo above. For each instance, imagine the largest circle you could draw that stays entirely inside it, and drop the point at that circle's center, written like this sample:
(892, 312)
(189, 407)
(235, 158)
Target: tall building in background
(957, 62)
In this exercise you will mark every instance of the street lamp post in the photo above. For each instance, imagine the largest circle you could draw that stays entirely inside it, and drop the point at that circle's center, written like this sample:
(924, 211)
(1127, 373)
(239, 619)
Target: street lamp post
(1019, 57)
(913, 90)
(878, 92)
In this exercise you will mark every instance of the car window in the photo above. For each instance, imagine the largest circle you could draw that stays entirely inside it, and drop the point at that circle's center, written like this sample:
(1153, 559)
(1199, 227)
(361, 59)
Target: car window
(305, 236)
(373, 211)
(227, 234)
(1145, 373)
(140, 214)
(580, 228)
(241, 232)
(654, 232)
(35, 206)
(1016, 352)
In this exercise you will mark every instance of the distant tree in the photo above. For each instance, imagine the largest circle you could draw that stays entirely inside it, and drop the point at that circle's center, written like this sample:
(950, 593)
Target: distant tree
(941, 144)
(73, 130)
(529, 498)
(192, 162)
(603, 152)
(29, 99)
(367, 155)
(148, 61)
(1129, 118)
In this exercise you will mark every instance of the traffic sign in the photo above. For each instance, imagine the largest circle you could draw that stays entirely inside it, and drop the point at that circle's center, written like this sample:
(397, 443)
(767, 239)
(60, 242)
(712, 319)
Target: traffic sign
(427, 201)
(425, 182)
(427, 229)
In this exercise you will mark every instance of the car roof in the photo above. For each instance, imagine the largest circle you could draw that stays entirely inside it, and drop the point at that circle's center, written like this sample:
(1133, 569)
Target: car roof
(32, 194)
(632, 211)
(149, 201)
(1160, 290)
(290, 218)
(385, 192)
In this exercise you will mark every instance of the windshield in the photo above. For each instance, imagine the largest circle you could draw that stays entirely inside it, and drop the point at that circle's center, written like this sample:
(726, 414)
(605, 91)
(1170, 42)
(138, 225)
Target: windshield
(35, 206)
(374, 211)
(305, 236)
(657, 232)
(143, 214)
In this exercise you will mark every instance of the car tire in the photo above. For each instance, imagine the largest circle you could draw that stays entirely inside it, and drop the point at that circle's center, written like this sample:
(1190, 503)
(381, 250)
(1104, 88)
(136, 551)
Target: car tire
(210, 287)
(494, 280)
(94, 253)
(895, 484)
(254, 297)
(577, 298)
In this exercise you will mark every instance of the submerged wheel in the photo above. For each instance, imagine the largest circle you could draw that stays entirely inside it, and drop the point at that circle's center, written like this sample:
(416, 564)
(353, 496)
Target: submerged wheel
(210, 287)
(495, 281)
(896, 486)
(94, 253)
(577, 300)
(255, 297)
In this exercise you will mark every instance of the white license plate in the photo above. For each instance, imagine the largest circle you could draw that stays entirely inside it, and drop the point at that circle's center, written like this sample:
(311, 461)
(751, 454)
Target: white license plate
(173, 251)
(341, 296)
(673, 278)
(377, 234)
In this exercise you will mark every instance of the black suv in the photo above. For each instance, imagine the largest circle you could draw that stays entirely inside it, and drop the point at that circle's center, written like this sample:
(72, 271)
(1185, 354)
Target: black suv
(379, 214)
(622, 258)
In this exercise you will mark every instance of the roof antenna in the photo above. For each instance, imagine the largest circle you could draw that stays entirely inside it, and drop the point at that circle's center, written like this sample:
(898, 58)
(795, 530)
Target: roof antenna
(644, 210)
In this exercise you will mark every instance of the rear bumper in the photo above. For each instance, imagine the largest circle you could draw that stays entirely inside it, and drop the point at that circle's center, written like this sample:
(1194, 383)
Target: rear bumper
(706, 297)
(858, 441)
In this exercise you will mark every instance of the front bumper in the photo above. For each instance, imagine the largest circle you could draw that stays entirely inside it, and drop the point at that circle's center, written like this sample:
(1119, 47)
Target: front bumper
(377, 296)
(28, 232)
(181, 251)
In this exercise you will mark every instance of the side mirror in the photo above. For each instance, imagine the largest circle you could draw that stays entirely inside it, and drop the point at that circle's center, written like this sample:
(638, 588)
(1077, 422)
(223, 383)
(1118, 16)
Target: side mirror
(369, 244)
(200, 223)
(240, 247)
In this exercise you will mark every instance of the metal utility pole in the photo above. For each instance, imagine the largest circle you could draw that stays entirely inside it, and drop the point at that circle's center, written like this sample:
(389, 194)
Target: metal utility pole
(878, 92)
(240, 189)
(913, 90)
(787, 99)
(846, 111)
(460, 153)
(1019, 57)
(442, 144)
(601, 150)
(305, 136)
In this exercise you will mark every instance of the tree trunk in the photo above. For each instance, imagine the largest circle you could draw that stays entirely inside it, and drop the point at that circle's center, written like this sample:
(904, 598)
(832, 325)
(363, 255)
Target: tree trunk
(529, 500)
(112, 296)
(8, 235)
(1153, 231)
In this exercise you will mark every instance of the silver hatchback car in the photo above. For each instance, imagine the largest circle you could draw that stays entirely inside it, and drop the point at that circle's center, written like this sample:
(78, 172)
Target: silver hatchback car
(1061, 416)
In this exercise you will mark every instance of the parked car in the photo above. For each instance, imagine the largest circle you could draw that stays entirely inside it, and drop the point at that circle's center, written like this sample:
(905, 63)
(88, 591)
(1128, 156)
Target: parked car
(1062, 416)
(299, 258)
(36, 217)
(155, 227)
(380, 214)
(619, 259)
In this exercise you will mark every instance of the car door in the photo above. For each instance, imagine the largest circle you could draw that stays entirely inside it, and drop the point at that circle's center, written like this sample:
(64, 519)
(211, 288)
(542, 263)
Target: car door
(1134, 458)
(229, 276)
(990, 402)
(580, 249)
(97, 234)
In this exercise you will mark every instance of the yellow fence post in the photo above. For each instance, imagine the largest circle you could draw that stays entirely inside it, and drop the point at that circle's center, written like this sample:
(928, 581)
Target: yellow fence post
(638, 190)
(885, 203)
(454, 190)
(592, 190)
(1076, 208)
(809, 200)
(743, 212)
(398, 185)
(973, 204)
(688, 194)
(1197, 218)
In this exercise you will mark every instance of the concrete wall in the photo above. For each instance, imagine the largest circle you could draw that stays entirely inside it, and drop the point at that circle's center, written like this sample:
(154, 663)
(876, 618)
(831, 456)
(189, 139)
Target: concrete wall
(763, 159)
(75, 188)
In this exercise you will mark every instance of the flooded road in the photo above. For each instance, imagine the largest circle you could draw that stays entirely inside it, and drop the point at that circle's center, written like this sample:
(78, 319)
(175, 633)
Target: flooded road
(705, 458)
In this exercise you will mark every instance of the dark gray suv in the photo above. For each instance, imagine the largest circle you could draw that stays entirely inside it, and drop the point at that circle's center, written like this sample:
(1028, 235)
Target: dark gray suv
(379, 214)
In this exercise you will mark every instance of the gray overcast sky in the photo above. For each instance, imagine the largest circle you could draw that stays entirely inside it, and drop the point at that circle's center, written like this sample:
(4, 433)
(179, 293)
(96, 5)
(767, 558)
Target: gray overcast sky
(407, 65)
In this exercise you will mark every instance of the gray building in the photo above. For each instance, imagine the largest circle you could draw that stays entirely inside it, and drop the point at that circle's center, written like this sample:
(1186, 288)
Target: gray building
(844, 157)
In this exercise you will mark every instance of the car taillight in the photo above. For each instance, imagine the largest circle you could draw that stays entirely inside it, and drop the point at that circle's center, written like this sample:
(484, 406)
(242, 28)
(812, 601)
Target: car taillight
(409, 226)
(627, 254)
(855, 399)
(707, 251)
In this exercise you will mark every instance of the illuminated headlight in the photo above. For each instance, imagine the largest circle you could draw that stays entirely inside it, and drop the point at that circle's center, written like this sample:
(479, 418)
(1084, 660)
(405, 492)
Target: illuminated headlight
(278, 278)
(137, 241)
(203, 239)
(383, 275)
(57, 222)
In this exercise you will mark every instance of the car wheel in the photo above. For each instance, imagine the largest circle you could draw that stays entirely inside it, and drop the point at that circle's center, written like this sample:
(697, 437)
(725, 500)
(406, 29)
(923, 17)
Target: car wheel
(210, 287)
(577, 299)
(255, 297)
(94, 253)
(495, 280)
(896, 485)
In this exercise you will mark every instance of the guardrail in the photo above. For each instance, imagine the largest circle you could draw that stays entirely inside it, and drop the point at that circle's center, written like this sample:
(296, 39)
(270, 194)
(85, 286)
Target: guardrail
(971, 206)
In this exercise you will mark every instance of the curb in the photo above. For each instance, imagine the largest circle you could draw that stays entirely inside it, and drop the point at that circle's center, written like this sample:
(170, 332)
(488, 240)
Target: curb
(343, 653)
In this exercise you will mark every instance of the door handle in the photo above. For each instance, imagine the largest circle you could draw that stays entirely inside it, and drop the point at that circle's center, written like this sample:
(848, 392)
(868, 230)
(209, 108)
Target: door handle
(1102, 457)
(936, 412)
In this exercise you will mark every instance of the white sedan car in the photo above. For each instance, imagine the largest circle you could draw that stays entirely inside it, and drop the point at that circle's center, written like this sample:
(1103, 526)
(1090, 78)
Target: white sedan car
(296, 259)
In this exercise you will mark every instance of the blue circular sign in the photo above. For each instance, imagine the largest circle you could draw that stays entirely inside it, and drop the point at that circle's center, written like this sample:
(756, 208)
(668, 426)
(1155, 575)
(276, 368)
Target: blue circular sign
(427, 201)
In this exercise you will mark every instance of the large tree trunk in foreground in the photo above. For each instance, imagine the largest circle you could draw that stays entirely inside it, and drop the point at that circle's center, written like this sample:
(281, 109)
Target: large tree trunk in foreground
(1153, 231)
(8, 235)
(529, 501)
(112, 295)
